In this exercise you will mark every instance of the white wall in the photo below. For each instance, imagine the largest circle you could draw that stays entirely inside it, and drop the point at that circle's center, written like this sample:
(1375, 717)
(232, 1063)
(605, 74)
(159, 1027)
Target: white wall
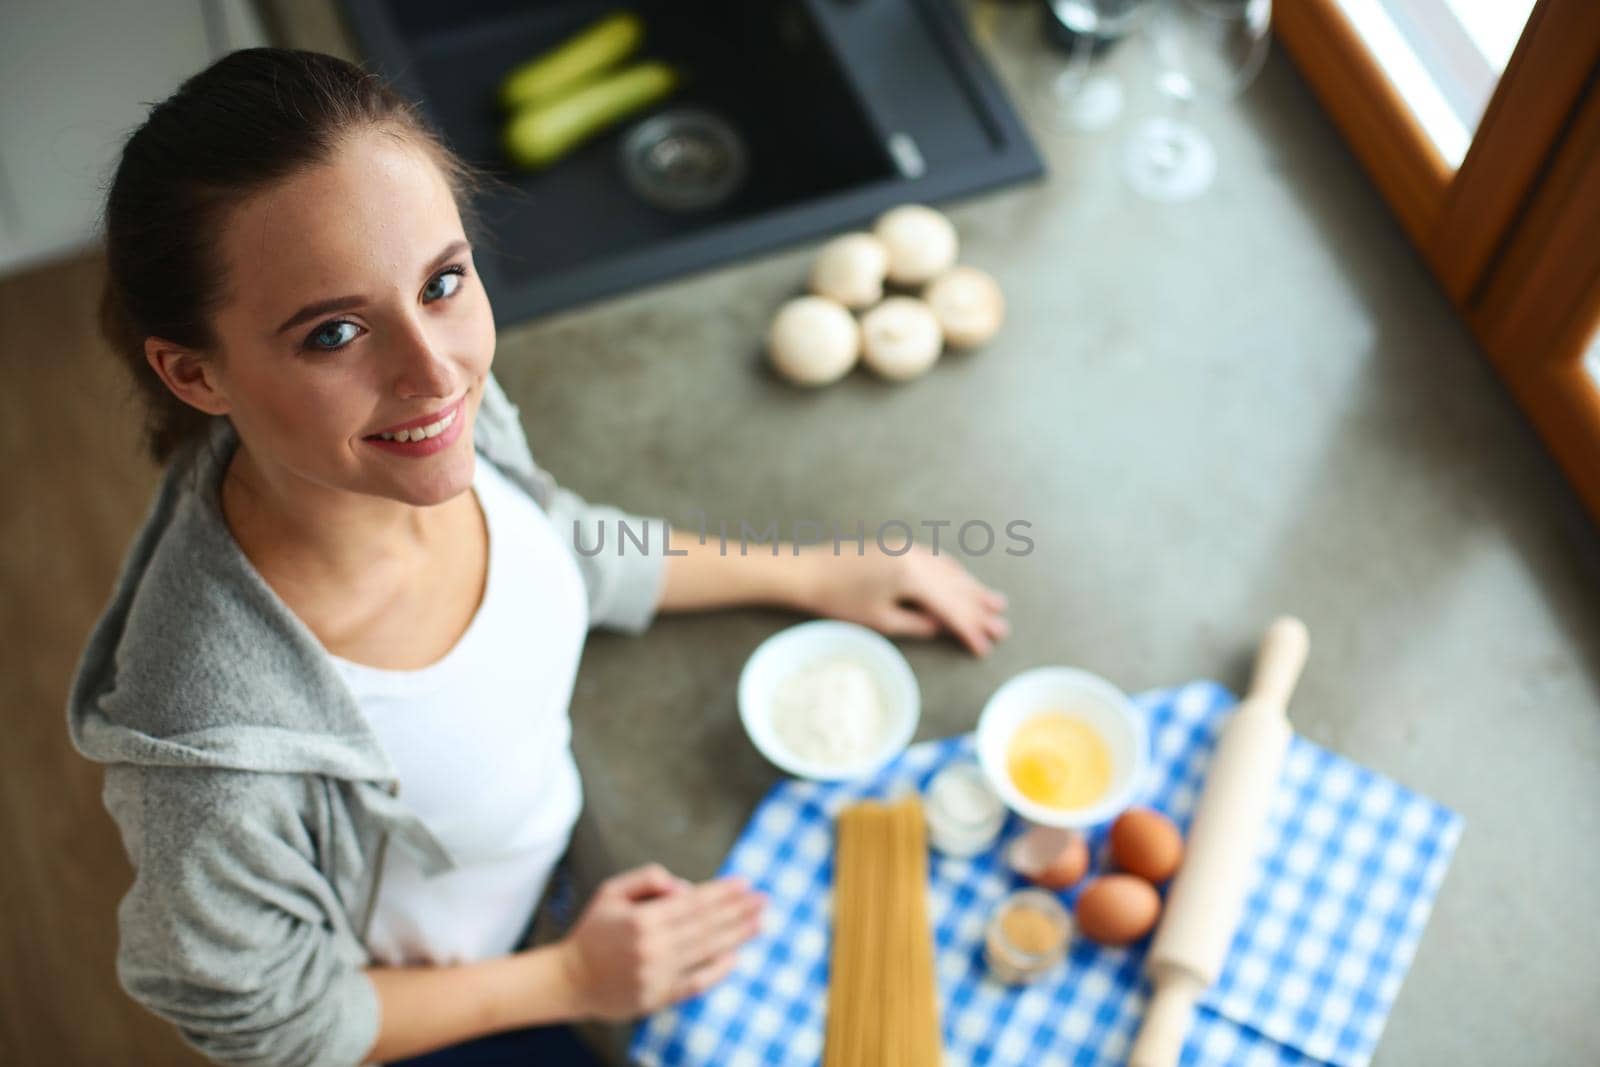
(76, 76)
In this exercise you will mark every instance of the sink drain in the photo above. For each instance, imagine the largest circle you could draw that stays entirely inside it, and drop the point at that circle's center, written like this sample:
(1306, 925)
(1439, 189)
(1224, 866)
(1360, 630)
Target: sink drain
(684, 160)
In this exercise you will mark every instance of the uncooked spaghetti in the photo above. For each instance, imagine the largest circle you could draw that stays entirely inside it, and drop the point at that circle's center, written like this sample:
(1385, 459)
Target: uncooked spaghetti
(883, 1008)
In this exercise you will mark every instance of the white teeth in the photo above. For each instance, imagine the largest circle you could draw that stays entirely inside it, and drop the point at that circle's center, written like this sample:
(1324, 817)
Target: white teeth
(431, 430)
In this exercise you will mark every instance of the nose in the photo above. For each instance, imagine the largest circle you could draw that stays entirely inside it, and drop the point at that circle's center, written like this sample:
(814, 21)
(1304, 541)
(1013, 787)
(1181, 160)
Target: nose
(424, 370)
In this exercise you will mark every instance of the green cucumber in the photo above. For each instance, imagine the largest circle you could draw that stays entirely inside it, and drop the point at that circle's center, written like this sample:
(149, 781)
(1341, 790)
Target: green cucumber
(537, 137)
(567, 65)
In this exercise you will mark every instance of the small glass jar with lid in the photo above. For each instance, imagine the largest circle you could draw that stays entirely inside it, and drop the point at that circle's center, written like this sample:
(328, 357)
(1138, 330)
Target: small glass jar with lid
(1027, 936)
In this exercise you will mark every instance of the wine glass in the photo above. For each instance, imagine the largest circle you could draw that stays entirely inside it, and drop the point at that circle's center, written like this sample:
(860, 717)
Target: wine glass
(1072, 98)
(1206, 50)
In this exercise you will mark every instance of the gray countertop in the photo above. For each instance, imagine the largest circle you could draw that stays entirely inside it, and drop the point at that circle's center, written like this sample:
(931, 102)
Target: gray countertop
(1210, 413)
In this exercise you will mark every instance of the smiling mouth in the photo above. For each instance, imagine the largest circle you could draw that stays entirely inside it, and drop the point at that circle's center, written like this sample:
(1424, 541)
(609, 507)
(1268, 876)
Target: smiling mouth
(433, 429)
(423, 432)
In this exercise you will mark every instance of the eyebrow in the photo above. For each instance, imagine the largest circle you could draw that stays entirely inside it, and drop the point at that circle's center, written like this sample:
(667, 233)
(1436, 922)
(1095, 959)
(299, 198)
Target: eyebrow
(346, 303)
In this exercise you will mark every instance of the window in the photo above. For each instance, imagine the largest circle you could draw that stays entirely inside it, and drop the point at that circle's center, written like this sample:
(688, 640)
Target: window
(1479, 122)
(1443, 56)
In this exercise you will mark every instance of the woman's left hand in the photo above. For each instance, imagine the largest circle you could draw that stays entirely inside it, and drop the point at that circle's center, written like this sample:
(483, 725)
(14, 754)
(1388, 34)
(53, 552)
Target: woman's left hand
(917, 594)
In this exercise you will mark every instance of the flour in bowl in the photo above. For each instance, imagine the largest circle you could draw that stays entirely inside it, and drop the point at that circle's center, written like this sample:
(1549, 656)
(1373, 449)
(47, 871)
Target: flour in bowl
(831, 713)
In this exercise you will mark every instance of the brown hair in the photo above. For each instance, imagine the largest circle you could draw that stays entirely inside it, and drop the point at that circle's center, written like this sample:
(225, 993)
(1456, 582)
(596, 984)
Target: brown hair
(252, 118)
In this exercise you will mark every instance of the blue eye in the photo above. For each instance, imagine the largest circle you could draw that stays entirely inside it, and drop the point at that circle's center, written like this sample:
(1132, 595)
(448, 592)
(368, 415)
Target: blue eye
(334, 335)
(443, 285)
(331, 336)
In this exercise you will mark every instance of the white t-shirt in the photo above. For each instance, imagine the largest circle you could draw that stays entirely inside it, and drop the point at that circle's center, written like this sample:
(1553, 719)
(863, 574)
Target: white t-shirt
(481, 743)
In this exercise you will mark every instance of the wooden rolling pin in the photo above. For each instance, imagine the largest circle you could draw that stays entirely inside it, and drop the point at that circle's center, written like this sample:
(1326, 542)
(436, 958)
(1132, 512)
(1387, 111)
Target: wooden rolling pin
(1207, 896)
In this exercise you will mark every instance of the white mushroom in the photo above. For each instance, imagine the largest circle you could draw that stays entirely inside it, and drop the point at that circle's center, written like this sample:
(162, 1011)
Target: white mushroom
(851, 269)
(900, 338)
(921, 243)
(813, 341)
(968, 304)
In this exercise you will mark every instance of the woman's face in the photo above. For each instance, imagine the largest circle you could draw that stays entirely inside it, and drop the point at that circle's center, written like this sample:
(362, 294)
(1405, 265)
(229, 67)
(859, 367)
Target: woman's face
(353, 310)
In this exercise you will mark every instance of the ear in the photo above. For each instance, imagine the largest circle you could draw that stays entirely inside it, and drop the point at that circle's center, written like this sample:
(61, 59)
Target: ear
(190, 375)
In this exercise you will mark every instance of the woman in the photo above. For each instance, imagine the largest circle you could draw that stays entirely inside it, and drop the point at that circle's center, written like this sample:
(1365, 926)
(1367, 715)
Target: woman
(331, 687)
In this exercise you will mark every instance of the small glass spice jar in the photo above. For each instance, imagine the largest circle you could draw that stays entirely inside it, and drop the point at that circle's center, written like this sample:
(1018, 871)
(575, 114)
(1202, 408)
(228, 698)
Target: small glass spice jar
(1027, 936)
(964, 813)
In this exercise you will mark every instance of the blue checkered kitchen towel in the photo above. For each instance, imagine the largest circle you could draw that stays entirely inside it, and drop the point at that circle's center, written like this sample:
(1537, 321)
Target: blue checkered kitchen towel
(1350, 868)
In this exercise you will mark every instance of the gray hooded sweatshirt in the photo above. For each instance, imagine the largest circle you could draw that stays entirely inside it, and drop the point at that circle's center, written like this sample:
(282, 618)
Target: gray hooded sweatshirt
(254, 800)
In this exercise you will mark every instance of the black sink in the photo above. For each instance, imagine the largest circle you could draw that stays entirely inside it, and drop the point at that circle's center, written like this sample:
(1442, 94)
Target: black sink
(830, 111)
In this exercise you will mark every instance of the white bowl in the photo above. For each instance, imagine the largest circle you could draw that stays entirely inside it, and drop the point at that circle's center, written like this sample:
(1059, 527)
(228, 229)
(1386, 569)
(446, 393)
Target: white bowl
(1075, 692)
(787, 652)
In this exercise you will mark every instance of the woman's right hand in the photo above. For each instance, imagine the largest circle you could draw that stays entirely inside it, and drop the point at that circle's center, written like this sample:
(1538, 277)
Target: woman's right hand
(648, 939)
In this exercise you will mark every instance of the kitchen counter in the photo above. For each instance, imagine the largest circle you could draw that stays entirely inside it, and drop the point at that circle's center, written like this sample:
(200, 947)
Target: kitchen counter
(1210, 413)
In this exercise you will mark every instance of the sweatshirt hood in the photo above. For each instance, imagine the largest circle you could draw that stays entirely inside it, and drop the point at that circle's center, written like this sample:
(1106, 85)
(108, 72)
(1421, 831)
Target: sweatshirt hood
(196, 662)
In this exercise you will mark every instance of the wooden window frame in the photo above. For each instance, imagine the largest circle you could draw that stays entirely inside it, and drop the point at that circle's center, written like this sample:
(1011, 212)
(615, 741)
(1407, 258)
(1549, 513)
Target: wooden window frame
(1513, 235)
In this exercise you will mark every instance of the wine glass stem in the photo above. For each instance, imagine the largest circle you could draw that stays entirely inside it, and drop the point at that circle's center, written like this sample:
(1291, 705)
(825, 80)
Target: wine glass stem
(1172, 148)
(1070, 81)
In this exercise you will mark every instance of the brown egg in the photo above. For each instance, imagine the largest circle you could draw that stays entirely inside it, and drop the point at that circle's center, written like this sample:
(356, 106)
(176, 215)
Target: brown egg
(1050, 858)
(1146, 843)
(1117, 909)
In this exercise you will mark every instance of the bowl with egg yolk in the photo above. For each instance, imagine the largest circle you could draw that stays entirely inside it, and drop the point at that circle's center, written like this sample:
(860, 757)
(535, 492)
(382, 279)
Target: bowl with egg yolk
(1063, 747)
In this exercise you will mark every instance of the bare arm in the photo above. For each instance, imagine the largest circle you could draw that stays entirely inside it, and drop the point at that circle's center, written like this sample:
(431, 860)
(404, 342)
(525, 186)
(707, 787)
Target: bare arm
(646, 939)
(425, 1008)
(916, 594)
(706, 577)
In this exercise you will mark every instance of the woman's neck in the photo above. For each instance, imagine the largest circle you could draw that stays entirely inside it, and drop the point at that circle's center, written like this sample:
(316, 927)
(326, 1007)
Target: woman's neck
(302, 531)
(378, 581)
